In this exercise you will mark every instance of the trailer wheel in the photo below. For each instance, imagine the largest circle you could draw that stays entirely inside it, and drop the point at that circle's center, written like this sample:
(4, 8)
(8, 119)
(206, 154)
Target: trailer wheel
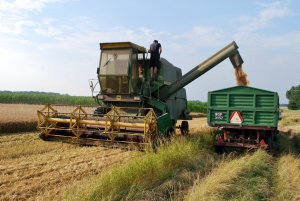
(275, 135)
(184, 128)
(270, 143)
(219, 149)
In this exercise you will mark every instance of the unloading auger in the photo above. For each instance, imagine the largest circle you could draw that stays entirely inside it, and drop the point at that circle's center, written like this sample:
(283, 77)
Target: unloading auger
(134, 109)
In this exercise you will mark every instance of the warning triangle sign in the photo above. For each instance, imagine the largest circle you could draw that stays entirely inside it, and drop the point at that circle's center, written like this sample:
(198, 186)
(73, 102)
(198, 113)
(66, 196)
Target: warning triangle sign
(236, 118)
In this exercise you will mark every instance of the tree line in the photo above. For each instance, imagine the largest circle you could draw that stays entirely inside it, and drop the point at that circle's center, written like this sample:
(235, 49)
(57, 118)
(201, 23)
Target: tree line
(294, 97)
(30, 97)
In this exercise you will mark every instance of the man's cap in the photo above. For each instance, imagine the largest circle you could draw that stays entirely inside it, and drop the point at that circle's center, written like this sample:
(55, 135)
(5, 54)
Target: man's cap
(155, 41)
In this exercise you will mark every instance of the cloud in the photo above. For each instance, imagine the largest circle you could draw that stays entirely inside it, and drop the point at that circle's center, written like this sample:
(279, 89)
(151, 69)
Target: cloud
(13, 24)
(49, 31)
(268, 13)
(24, 5)
(15, 15)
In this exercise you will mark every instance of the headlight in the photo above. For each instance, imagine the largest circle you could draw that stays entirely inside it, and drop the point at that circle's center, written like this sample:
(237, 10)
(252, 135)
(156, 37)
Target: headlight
(100, 97)
(137, 98)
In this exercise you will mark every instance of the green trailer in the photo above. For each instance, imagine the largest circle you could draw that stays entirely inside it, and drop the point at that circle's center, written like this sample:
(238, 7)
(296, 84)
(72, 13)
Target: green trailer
(245, 116)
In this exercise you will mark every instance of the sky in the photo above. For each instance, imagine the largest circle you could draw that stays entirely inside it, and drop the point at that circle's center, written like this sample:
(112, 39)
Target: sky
(53, 45)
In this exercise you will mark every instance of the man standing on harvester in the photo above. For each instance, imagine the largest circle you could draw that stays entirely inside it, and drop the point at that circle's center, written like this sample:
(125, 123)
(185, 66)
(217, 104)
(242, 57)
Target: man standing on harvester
(155, 50)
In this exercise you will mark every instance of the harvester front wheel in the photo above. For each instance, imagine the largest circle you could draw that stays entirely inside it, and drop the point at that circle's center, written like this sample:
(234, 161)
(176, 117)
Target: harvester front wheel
(170, 133)
(100, 111)
(184, 128)
(43, 136)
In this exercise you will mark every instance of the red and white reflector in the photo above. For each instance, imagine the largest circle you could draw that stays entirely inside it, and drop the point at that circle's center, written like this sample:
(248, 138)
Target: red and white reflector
(220, 140)
(262, 142)
(236, 118)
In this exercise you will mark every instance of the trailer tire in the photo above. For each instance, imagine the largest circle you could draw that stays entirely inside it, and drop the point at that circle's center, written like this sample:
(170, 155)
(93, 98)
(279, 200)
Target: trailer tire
(275, 135)
(270, 143)
(219, 149)
(184, 128)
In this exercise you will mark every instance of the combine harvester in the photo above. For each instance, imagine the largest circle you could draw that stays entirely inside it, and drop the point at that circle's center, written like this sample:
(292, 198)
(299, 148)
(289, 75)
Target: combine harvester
(134, 109)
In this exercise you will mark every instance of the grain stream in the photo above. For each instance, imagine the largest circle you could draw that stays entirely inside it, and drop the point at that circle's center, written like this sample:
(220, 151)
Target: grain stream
(241, 76)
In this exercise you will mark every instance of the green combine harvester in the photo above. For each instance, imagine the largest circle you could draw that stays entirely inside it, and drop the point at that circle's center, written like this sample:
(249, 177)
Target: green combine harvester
(133, 109)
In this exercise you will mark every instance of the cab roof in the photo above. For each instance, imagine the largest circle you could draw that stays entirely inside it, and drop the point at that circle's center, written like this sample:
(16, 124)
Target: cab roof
(122, 45)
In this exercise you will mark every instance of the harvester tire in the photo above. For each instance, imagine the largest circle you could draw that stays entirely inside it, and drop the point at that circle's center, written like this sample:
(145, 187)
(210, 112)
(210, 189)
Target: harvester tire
(154, 145)
(168, 135)
(184, 128)
(100, 111)
(43, 136)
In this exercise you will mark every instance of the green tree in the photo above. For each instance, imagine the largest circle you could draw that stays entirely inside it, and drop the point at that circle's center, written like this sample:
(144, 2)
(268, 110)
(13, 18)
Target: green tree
(294, 97)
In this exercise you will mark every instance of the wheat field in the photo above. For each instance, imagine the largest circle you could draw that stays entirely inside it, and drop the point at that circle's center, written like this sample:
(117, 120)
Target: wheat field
(18, 117)
(18, 112)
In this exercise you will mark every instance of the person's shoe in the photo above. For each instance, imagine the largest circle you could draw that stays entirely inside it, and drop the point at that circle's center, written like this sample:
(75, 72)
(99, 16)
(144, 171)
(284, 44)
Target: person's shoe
(160, 78)
(154, 78)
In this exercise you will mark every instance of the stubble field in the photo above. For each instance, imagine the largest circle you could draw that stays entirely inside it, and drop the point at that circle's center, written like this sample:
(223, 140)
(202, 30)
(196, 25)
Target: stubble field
(32, 169)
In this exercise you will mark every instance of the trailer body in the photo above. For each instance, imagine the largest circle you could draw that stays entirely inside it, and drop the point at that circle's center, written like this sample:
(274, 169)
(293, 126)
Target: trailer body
(246, 116)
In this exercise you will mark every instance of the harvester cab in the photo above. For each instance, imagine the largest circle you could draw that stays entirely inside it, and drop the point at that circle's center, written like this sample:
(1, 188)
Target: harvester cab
(121, 74)
(134, 110)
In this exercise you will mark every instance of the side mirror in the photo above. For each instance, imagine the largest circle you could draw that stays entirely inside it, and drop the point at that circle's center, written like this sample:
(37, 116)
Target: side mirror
(280, 115)
(91, 85)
